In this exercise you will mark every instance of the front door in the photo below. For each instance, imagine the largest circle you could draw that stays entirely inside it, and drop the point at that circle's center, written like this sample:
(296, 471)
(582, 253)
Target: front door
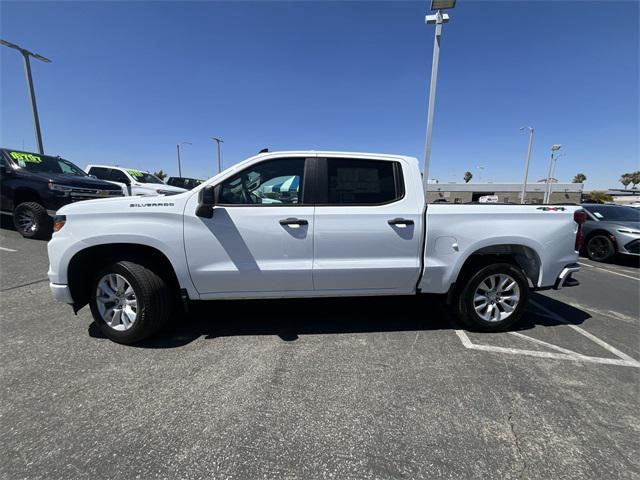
(259, 241)
(367, 231)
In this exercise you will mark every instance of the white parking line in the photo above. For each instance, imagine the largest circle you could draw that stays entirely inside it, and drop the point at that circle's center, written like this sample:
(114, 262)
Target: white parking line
(566, 354)
(5, 249)
(590, 336)
(609, 271)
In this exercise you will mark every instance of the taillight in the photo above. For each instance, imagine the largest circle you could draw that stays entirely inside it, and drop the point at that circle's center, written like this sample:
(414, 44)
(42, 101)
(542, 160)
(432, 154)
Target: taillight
(579, 216)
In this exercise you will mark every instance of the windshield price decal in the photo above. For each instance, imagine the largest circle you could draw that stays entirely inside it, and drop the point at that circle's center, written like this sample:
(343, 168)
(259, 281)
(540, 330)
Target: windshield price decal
(135, 173)
(25, 157)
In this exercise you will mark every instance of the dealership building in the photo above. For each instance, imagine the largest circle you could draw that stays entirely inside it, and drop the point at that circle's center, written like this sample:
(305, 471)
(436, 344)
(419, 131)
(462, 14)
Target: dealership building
(505, 192)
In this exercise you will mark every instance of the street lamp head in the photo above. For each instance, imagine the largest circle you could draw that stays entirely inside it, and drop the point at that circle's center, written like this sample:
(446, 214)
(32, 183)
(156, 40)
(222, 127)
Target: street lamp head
(24, 51)
(442, 4)
(526, 128)
(556, 147)
(219, 140)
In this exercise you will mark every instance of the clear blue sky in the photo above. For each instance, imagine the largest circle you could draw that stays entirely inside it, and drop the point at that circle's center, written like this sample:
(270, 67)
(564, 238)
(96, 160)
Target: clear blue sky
(131, 79)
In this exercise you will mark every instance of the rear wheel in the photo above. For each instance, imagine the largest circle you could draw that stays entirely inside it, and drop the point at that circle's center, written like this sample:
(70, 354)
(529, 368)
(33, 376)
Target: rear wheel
(129, 302)
(493, 298)
(600, 248)
(32, 221)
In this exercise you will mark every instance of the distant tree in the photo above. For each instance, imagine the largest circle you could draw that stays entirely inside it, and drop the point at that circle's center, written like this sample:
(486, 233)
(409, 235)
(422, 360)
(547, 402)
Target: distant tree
(467, 177)
(160, 174)
(625, 179)
(579, 178)
(635, 178)
(598, 196)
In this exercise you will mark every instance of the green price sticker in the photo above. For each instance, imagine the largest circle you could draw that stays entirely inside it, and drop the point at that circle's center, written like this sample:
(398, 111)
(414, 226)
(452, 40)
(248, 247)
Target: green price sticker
(135, 173)
(25, 157)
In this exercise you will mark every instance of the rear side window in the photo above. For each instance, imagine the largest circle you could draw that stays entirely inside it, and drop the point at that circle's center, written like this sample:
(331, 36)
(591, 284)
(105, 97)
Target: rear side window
(363, 182)
(118, 176)
(99, 172)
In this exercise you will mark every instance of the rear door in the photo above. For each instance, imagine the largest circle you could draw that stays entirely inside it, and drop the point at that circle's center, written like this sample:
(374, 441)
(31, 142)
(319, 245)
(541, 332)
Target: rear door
(367, 231)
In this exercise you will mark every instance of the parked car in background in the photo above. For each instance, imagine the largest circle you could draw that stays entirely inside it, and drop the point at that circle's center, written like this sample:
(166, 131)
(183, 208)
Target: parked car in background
(184, 182)
(611, 229)
(33, 187)
(336, 224)
(132, 181)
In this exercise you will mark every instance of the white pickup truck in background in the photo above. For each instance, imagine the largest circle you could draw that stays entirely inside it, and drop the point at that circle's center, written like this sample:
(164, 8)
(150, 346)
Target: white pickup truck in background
(133, 182)
(306, 224)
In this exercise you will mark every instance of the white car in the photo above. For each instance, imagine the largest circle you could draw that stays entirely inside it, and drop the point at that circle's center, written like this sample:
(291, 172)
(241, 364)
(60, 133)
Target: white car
(307, 224)
(133, 182)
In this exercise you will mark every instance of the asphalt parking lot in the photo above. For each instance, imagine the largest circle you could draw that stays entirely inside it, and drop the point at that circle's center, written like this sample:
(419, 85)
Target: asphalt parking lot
(348, 389)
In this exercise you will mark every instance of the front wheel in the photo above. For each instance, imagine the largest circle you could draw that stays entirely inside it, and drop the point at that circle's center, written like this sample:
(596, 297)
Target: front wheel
(129, 302)
(494, 298)
(31, 220)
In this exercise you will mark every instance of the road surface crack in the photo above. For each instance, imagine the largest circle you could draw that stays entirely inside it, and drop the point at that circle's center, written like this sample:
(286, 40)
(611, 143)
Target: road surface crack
(516, 442)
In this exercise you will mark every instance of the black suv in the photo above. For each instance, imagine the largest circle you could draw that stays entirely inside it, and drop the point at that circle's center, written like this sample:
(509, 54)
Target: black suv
(33, 187)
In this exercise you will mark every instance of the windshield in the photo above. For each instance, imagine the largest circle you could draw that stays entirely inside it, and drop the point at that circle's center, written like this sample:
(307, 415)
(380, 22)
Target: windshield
(613, 213)
(144, 177)
(45, 164)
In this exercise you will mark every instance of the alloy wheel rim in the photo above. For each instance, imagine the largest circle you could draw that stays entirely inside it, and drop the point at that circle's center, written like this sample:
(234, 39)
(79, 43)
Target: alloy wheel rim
(117, 302)
(496, 297)
(27, 221)
(598, 248)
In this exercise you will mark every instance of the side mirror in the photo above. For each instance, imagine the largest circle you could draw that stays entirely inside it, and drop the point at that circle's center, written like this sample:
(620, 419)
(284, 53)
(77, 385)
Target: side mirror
(4, 170)
(206, 202)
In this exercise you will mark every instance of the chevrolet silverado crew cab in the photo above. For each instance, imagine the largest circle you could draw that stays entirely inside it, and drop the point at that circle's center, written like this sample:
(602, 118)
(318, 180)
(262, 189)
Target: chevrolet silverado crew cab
(33, 187)
(133, 182)
(307, 224)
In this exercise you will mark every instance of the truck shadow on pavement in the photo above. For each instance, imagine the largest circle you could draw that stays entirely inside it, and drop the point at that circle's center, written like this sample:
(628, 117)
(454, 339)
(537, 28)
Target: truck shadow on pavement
(289, 319)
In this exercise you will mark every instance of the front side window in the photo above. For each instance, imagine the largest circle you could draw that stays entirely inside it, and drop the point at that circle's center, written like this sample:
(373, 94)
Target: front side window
(362, 182)
(273, 182)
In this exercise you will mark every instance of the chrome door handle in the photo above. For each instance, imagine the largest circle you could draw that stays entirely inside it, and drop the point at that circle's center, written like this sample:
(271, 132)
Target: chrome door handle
(400, 221)
(293, 221)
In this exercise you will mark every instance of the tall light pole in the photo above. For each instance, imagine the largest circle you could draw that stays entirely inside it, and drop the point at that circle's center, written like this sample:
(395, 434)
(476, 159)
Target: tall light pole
(438, 19)
(218, 141)
(526, 165)
(178, 149)
(547, 189)
(32, 94)
(481, 168)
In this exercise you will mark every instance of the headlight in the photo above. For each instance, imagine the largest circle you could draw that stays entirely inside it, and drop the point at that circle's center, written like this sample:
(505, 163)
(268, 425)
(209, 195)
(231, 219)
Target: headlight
(58, 222)
(59, 188)
(635, 232)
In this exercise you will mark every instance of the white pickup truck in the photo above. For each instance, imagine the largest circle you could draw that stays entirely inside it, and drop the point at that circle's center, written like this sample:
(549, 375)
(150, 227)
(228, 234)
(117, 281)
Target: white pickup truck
(306, 224)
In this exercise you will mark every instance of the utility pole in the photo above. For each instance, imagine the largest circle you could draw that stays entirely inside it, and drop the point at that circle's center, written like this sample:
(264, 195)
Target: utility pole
(438, 19)
(547, 189)
(178, 149)
(219, 141)
(26, 54)
(526, 165)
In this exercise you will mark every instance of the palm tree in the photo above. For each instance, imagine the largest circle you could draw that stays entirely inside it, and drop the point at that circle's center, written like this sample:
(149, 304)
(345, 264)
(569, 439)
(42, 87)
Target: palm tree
(160, 174)
(635, 178)
(579, 178)
(467, 177)
(625, 179)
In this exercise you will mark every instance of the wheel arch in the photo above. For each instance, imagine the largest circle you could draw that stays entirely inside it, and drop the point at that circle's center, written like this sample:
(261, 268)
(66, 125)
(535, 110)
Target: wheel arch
(25, 194)
(99, 256)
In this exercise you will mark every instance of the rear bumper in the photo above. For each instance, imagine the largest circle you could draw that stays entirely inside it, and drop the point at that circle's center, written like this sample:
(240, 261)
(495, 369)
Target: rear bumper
(61, 293)
(565, 278)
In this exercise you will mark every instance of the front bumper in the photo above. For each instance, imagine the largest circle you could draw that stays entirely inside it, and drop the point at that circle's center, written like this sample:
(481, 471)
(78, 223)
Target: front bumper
(61, 293)
(565, 278)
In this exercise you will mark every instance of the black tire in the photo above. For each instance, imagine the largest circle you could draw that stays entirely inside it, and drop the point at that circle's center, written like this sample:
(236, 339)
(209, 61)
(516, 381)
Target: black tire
(153, 297)
(600, 248)
(466, 307)
(32, 221)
